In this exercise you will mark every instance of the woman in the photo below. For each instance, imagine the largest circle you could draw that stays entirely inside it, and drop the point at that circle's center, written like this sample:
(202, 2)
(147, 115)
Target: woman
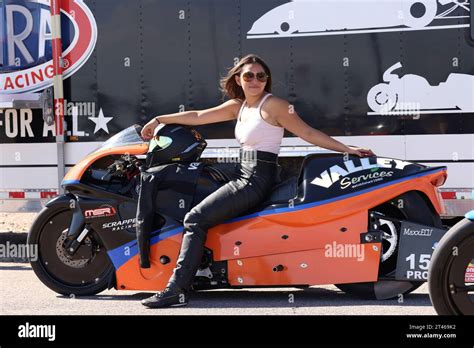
(261, 120)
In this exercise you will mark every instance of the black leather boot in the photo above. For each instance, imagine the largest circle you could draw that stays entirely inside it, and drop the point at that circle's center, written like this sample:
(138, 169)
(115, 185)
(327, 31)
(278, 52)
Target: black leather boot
(190, 254)
(170, 297)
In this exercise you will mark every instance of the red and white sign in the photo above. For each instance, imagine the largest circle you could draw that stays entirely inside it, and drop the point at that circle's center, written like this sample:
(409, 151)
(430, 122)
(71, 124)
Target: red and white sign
(74, 56)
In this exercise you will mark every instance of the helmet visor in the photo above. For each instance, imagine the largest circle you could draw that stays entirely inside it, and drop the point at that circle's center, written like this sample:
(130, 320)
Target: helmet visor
(159, 143)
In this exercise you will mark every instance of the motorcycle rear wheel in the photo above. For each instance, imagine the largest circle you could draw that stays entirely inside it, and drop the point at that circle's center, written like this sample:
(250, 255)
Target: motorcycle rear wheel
(414, 209)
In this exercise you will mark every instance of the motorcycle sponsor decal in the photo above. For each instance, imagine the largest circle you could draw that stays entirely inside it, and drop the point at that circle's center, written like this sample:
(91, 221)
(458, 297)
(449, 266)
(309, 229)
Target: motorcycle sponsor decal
(27, 64)
(194, 165)
(413, 95)
(470, 273)
(364, 179)
(415, 250)
(422, 232)
(120, 225)
(103, 211)
(373, 166)
(329, 17)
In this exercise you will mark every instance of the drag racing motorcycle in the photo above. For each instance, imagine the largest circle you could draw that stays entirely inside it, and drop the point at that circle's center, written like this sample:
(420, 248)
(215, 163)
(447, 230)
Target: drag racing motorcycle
(367, 225)
(451, 273)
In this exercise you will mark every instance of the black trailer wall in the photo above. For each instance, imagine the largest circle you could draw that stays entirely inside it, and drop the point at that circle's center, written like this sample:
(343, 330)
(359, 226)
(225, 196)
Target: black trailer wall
(163, 56)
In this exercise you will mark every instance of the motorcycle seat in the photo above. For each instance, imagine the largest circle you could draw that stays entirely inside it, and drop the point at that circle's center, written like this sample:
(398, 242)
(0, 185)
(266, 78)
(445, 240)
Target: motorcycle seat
(283, 192)
(225, 172)
(221, 173)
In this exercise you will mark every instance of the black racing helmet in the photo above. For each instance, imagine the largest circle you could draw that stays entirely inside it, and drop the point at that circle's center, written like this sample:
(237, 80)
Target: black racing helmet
(174, 143)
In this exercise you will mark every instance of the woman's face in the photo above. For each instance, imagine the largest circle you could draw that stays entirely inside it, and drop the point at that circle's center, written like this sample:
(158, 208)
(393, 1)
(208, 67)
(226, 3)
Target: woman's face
(252, 86)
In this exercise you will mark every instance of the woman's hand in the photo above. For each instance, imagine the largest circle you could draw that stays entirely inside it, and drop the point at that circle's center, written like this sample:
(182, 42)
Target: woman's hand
(359, 151)
(149, 129)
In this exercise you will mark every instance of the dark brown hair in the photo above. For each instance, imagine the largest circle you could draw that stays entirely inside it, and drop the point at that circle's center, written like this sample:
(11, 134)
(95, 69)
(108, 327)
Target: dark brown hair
(230, 87)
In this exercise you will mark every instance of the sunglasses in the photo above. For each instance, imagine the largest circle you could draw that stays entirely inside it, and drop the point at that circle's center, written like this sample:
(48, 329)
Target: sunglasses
(249, 76)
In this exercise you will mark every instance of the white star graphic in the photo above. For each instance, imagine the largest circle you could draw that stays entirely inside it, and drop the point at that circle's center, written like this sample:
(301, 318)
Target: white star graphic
(101, 122)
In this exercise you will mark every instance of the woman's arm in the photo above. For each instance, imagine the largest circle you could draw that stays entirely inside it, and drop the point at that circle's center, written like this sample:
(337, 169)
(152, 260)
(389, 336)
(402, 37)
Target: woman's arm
(224, 112)
(289, 119)
(220, 113)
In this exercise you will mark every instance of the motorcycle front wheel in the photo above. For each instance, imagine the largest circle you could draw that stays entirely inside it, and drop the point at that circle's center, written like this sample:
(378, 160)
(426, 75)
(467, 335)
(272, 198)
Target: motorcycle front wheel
(56, 268)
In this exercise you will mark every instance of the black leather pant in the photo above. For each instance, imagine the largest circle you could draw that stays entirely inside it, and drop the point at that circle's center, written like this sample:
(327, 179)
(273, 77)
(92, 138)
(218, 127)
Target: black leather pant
(254, 178)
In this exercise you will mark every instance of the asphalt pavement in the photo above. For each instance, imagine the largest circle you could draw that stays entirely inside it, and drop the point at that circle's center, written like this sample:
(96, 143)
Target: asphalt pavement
(22, 293)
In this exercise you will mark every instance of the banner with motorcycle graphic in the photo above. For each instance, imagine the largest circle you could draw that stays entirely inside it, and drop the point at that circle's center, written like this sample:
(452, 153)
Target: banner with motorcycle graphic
(311, 18)
(361, 67)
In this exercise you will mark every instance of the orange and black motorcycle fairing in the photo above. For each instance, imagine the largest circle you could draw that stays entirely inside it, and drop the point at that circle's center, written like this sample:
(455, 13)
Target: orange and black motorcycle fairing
(340, 221)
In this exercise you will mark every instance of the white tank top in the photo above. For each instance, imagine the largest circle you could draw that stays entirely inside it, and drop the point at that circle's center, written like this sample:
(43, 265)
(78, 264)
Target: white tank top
(255, 133)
